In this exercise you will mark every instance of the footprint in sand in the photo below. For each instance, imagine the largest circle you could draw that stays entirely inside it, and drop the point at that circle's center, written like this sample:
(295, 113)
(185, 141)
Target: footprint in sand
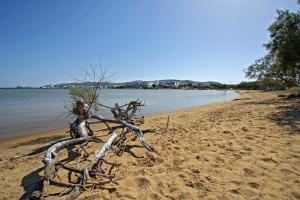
(177, 148)
(248, 148)
(286, 172)
(268, 160)
(142, 182)
(245, 129)
(249, 193)
(248, 172)
(294, 155)
(234, 191)
(249, 137)
(296, 194)
(253, 185)
(195, 171)
(262, 128)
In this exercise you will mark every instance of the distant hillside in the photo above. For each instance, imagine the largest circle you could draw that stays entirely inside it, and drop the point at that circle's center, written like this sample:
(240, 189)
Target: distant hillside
(165, 83)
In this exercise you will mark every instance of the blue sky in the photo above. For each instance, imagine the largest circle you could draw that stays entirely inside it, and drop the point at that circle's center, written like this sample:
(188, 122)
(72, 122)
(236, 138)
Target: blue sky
(44, 42)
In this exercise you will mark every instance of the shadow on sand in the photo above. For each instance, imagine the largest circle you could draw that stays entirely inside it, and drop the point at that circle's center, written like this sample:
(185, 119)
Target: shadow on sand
(33, 180)
(43, 140)
(30, 182)
(288, 112)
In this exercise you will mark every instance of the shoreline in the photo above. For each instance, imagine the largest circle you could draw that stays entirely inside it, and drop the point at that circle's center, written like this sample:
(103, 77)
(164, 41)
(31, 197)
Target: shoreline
(66, 128)
(24, 113)
(243, 149)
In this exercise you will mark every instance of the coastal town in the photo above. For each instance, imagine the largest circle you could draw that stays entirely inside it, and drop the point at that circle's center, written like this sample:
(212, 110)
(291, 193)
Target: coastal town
(139, 84)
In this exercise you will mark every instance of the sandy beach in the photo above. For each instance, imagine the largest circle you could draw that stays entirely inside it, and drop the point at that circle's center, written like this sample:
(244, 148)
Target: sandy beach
(239, 149)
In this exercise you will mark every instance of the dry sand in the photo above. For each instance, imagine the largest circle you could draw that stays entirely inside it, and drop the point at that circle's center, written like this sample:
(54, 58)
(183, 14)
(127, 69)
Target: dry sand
(246, 149)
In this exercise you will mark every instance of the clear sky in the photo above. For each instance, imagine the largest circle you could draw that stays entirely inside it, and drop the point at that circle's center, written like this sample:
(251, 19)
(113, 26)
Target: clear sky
(44, 42)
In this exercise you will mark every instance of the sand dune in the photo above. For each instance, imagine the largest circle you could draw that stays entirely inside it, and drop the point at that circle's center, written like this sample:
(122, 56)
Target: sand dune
(245, 149)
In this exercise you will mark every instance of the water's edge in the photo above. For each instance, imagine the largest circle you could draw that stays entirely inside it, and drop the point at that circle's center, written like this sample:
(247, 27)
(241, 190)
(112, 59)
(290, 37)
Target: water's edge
(148, 111)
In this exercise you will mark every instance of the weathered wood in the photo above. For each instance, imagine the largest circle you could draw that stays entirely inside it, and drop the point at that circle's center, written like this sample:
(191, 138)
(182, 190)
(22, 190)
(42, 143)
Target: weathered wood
(100, 155)
(139, 134)
(124, 119)
(136, 130)
(82, 129)
(52, 152)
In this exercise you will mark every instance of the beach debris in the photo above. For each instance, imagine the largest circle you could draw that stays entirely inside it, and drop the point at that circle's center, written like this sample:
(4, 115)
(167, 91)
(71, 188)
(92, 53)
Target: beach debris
(81, 172)
(239, 99)
(165, 129)
(92, 175)
(282, 95)
(288, 96)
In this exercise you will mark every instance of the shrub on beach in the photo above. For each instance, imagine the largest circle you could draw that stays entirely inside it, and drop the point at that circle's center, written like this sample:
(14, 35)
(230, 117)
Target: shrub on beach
(253, 85)
(265, 84)
(271, 84)
(84, 93)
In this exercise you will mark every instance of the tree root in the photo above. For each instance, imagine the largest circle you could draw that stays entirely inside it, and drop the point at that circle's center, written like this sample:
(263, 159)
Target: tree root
(98, 171)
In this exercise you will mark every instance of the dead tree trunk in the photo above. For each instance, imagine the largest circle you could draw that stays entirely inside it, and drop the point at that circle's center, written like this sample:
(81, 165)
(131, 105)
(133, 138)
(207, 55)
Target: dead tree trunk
(100, 155)
(80, 133)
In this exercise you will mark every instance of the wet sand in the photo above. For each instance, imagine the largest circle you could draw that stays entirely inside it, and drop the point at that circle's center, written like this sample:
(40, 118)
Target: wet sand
(244, 149)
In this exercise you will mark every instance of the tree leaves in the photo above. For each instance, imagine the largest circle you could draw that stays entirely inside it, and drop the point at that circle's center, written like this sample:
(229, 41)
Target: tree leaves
(282, 61)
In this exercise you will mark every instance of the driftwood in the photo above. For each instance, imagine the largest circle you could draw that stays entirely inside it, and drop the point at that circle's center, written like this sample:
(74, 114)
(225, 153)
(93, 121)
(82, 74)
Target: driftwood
(289, 96)
(93, 175)
(83, 171)
(239, 99)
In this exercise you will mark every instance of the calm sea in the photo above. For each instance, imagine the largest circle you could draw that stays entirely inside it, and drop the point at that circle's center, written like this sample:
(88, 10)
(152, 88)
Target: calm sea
(24, 111)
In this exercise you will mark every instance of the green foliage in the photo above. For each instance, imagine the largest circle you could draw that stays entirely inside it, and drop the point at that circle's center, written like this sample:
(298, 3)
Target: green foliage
(261, 69)
(285, 45)
(282, 61)
(218, 86)
(253, 85)
(84, 93)
(270, 84)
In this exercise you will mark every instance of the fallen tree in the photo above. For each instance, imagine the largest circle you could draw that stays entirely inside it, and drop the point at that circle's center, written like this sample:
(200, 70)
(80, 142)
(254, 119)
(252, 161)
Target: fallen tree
(96, 171)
